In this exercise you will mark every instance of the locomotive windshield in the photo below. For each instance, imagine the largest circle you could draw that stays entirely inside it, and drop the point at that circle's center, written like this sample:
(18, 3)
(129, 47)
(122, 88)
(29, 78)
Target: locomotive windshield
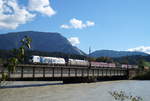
(31, 57)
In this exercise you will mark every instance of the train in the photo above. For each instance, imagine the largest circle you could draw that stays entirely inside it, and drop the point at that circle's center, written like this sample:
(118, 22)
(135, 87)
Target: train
(129, 66)
(75, 62)
(57, 61)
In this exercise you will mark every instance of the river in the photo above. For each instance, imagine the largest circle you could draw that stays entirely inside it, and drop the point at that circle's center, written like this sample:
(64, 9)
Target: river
(76, 92)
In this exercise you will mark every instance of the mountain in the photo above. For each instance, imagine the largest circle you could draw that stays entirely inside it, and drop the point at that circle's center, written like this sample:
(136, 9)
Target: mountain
(112, 53)
(41, 41)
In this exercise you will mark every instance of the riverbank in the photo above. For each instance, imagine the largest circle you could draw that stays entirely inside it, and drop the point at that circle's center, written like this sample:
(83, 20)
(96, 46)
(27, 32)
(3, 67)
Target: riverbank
(23, 84)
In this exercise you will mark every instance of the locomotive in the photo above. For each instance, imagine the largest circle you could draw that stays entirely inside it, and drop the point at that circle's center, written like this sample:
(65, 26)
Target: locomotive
(46, 60)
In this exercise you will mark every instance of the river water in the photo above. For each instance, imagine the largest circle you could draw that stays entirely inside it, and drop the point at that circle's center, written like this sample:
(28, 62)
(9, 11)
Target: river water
(76, 92)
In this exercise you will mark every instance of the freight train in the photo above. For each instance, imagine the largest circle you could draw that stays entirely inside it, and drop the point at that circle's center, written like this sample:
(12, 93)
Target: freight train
(75, 62)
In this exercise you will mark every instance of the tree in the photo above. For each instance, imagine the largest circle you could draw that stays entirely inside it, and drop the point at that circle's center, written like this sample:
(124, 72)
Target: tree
(141, 64)
(125, 60)
(104, 59)
(26, 43)
(12, 63)
(19, 55)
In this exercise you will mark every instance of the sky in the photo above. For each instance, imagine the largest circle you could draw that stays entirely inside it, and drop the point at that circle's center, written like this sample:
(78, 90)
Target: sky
(100, 24)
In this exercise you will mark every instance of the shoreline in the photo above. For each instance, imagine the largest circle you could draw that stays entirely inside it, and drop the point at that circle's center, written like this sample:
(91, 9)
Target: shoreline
(24, 84)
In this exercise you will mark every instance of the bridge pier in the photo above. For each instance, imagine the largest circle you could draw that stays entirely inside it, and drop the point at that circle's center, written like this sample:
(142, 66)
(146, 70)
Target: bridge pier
(109, 78)
(91, 79)
(68, 80)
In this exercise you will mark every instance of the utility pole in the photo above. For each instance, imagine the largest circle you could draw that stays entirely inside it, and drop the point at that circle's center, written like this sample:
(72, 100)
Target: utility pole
(89, 58)
(89, 51)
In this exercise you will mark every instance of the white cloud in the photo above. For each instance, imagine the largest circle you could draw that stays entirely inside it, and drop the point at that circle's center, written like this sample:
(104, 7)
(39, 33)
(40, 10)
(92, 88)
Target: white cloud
(42, 6)
(90, 23)
(65, 26)
(12, 15)
(74, 41)
(145, 49)
(77, 24)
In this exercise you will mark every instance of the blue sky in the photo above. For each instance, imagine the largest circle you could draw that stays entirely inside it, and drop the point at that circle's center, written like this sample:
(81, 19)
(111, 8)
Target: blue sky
(99, 24)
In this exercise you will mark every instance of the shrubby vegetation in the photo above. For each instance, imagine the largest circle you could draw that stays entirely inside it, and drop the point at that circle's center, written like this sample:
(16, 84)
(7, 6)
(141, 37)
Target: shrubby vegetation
(104, 59)
(122, 96)
(143, 76)
(134, 60)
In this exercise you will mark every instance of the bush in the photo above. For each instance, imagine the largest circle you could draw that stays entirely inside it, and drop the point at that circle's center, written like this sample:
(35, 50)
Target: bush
(143, 76)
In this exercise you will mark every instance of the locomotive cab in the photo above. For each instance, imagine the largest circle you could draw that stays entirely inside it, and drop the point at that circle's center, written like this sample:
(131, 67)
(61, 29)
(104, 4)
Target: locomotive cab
(34, 59)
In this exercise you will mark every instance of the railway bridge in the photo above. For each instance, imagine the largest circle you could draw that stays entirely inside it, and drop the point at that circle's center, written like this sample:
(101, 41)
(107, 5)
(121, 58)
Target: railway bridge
(67, 74)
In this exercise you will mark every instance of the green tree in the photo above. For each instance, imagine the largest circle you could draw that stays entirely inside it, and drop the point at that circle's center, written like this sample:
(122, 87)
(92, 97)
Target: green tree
(12, 63)
(25, 44)
(19, 55)
(141, 64)
(104, 59)
(1, 61)
(125, 60)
